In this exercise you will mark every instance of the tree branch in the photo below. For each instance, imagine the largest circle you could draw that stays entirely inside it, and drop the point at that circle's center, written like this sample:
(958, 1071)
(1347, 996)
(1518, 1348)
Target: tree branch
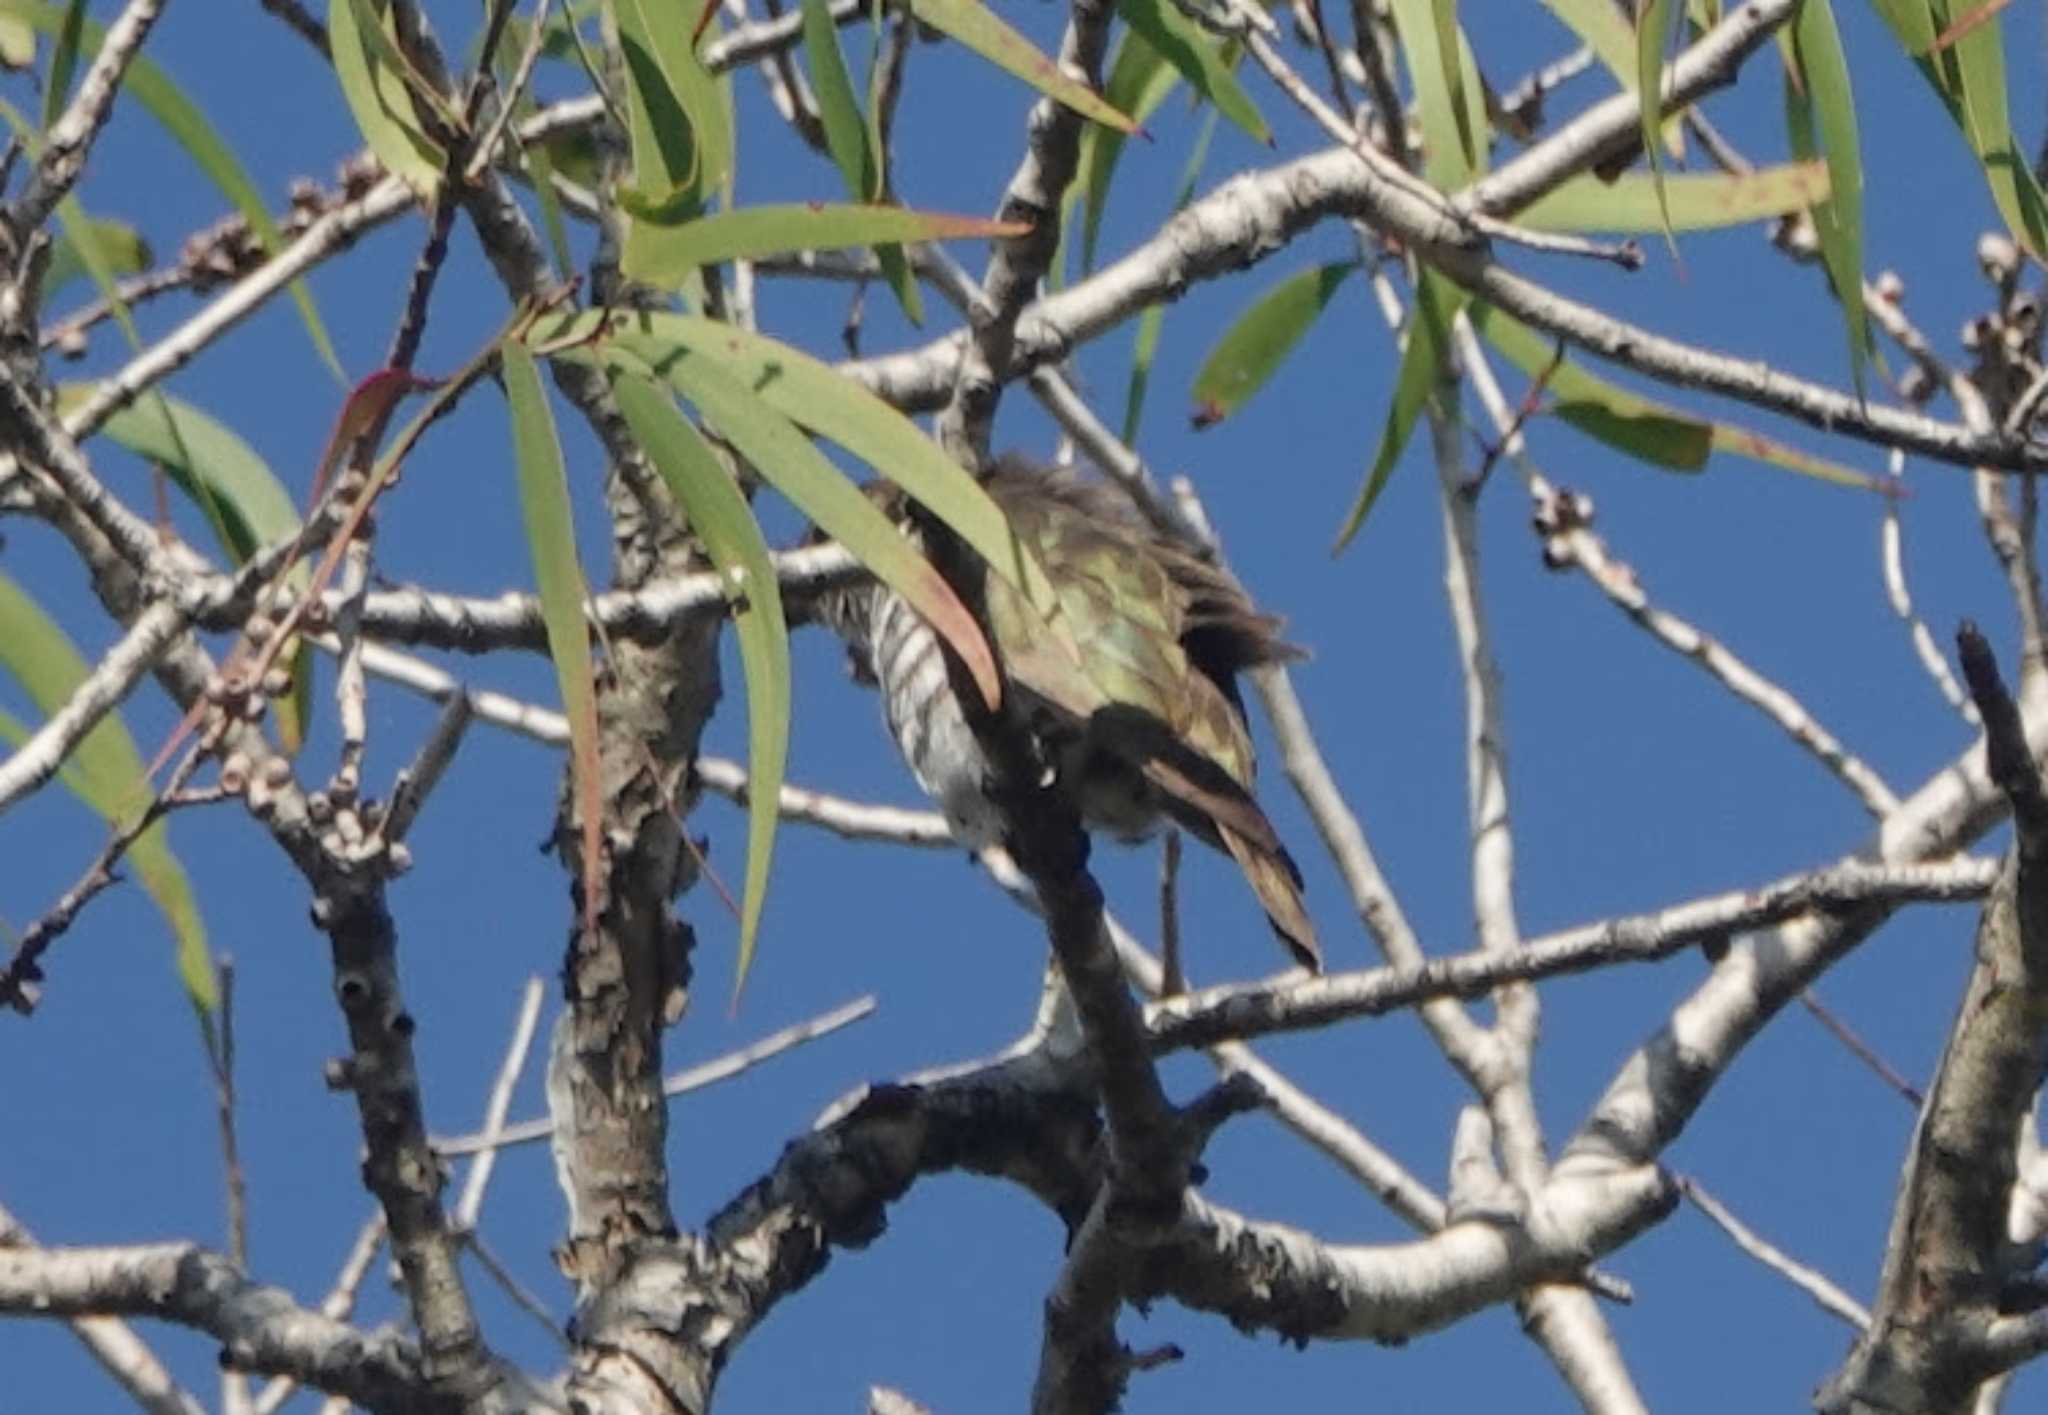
(1929, 1344)
(259, 1328)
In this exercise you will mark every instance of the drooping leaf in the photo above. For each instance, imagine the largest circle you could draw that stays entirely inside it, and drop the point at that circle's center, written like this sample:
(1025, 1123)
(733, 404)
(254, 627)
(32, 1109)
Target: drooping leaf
(1969, 75)
(725, 523)
(848, 139)
(979, 28)
(820, 399)
(1978, 54)
(1637, 426)
(1605, 29)
(244, 502)
(1825, 110)
(682, 134)
(785, 458)
(551, 537)
(664, 254)
(379, 96)
(1145, 343)
(106, 772)
(63, 62)
(1450, 155)
(119, 246)
(1912, 21)
(1654, 19)
(540, 169)
(386, 53)
(193, 448)
(1198, 58)
(1697, 201)
(1437, 303)
(1259, 340)
(846, 134)
(1139, 80)
(1640, 427)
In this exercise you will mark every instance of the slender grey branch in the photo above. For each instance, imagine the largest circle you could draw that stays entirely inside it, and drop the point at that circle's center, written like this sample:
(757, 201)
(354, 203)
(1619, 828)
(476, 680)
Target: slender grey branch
(260, 1328)
(1248, 1010)
(1832, 1300)
(70, 138)
(39, 758)
(690, 1078)
(470, 1206)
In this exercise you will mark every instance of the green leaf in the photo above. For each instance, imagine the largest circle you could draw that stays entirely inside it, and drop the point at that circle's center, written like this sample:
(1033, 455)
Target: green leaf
(1653, 33)
(1697, 201)
(195, 451)
(1437, 303)
(785, 458)
(1968, 72)
(722, 520)
(1139, 80)
(682, 133)
(1979, 66)
(977, 27)
(179, 117)
(63, 63)
(1643, 428)
(107, 773)
(1197, 58)
(1450, 155)
(664, 255)
(1912, 21)
(540, 171)
(379, 95)
(824, 401)
(1145, 343)
(1604, 27)
(386, 52)
(79, 232)
(1830, 109)
(1259, 340)
(846, 134)
(551, 537)
(119, 247)
(848, 140)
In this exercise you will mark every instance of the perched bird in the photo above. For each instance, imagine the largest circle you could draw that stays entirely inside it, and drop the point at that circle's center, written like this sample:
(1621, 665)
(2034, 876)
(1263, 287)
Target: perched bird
(1146, 724)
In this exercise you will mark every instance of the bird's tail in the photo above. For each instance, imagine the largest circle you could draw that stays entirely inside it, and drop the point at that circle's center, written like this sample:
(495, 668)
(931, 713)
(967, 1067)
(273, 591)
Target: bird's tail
(1274, 877)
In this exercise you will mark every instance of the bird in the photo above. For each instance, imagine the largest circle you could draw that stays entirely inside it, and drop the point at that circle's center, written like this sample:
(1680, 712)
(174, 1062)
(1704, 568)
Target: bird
(1142, 725)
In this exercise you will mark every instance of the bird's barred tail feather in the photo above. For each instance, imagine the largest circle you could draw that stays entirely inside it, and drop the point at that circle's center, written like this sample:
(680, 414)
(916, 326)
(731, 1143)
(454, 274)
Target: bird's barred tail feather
(1276, 880)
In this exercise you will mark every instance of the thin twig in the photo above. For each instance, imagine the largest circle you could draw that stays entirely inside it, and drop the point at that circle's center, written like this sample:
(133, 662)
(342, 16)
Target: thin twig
(1832, 1300)
(470, 1205)
(692, 1078)
(70, 138)
(1932, 660)
(40, 757)
(521, 1296)
(1861, 1049)
(21, 978)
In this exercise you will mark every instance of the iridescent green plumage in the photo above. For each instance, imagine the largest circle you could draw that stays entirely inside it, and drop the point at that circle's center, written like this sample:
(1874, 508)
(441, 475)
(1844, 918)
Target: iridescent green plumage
(1131, 694)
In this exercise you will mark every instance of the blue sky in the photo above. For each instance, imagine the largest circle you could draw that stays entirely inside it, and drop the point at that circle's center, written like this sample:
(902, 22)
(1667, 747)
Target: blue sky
(1636, 783)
